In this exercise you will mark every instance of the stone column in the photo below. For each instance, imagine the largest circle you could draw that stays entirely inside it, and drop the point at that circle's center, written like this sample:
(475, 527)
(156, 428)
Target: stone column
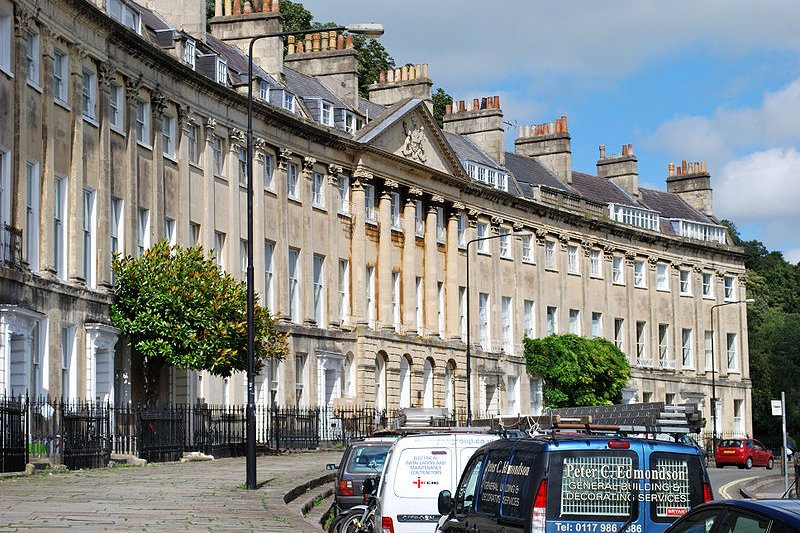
(184, 122)
(630, 291)
(384, 270)
(539, 306)
(358, 252)
(158, 102)
(131, 200)
(408, 284)
(103, 198)
(308, 240)
(335, 317)
(431, 270)
(280, 261)
(453, 265)
(47, 167)
(75, 181)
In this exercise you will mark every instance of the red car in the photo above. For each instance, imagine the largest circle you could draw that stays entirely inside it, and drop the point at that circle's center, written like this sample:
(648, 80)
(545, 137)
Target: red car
(744, 453)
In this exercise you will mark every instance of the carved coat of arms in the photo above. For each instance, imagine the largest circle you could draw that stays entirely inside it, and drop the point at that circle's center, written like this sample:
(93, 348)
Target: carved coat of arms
(412, 148)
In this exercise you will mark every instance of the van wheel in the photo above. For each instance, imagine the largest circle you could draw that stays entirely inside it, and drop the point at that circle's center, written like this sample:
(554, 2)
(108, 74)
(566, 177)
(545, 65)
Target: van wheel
(749, 463)
(770, 463)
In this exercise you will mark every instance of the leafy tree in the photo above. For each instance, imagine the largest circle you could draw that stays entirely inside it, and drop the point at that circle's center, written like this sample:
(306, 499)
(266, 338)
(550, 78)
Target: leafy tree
(177, 308)
(372, 59)
(577, 371)
(440, 101)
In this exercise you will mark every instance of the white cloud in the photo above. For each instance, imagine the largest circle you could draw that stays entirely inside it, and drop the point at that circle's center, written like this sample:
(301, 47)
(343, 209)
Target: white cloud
(792, 256)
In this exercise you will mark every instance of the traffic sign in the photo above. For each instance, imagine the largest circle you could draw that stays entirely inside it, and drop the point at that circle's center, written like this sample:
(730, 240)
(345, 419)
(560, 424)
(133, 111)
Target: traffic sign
(776, 407)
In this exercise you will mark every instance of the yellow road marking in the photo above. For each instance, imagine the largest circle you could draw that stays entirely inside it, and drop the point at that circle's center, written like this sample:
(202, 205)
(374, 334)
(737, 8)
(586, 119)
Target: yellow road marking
(723, 490)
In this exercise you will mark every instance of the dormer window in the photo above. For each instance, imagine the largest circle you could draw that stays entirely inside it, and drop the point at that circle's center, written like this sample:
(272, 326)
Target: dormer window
(263, 90)
(222, 71)
(189, 52)
(125, 14)
(350, 122)
(288, 101)
(325, 113)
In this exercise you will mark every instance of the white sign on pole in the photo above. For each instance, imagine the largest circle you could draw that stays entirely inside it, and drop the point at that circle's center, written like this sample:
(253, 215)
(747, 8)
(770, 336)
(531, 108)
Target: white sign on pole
(776, 407)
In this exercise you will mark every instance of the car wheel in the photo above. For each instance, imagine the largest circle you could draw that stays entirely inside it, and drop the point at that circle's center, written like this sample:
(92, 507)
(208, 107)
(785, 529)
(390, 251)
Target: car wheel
(749, 463)
(770, 463)
(720, 466)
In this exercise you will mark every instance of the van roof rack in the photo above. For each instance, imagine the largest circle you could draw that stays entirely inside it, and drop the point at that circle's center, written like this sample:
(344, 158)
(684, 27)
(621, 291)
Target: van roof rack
(646, 419)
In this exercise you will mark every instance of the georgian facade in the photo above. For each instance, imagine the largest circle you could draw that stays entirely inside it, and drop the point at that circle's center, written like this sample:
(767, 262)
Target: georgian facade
(123, 124)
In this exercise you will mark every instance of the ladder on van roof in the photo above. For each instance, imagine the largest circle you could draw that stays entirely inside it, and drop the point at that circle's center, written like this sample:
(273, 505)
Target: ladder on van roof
(647, 419)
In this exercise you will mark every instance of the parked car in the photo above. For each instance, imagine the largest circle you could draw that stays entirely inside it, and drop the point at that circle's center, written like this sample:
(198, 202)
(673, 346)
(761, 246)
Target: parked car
(361, 460)
(744, 453)
(741, 516)
(575, 483)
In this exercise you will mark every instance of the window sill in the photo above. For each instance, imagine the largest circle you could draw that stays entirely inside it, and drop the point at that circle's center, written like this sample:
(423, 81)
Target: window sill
(371, 222)
(346, 214)
(708, 297)
(7, 71)
(551, 269)
(618, 283)
(62, 104)
(662, 290)
(194, 165)
(507, 257)
(319, 207)
(487, 253)
(35, 86)
(573, 273)
(397, 229)
(144, 145)
(118, 130)
(91, 121)
(171, 157)
(294, 199)
(687, 294)
(528, 261)
(640, 286)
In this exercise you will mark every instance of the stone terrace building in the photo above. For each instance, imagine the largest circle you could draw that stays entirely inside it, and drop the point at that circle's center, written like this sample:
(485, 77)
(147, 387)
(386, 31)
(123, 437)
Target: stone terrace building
(122, 124)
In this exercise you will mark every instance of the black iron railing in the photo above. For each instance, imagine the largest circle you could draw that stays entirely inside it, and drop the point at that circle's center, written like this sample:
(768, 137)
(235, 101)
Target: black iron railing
(12, 435)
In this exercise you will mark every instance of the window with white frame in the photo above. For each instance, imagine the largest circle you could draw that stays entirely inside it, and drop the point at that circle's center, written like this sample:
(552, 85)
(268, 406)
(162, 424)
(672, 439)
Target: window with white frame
(68, 378)
(190, 52)
(222, 71)
(269, 275)
(193, 142)
(326, 113)
(527, 249)
(597, 325)
(440, 308)
(512, 395)
(299, 379)
(685, 278)
(243, 258)
(404, 384)
(483, 233)
(116, 107)
(319, 290)
(194, 233)
(619, 333)
(344, 195)
(169, 231)
(89, 237)
(462, 312)
(641, 340)
(217, 156)
(6, 38)
(483, 321)
(294, 285)
(427, 384)
(575, 321)
(394, 205)
(60, 233)
(729, 288)
(461, 230)
(350, 122)
(369, 204)
(32, 57)
(143, 122)
(572, 260)
(317, 190)
(124, 14)
(440, 225)
(143, 231)
(288, 101)
(89, 94)
(263, 90)
(32, 213)
(419, 218)
(738, 417)
(528, 319)
(371, 304)
(552, 320)
(708, 285)
(344, 291)
(268, 171)
(505, 243)
(733, 359)
(664, 356)
(617, 272)
(708, 350)
(60, 76)
(293, 181)
(549, 254)
(219, 249)
(396, 300)
(662, 277)
(639, 277)
(687, 356)
(168, 135)
(507, 315)
(594, 264)
(419, 301)
(241, 165)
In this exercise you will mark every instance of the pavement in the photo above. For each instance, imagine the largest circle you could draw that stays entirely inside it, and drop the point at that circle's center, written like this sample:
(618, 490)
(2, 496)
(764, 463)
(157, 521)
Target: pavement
(206, 496)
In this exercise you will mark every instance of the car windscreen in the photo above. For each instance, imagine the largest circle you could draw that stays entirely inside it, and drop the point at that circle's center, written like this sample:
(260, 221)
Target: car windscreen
(730, 443)
(367, 460)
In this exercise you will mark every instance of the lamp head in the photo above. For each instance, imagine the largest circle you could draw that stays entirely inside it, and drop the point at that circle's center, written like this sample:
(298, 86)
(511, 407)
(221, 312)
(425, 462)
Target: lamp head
(523, 233)
(370, 30)
(750, 301)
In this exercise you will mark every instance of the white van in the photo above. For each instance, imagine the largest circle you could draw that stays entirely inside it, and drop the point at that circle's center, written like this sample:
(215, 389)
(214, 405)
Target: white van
(417, 468)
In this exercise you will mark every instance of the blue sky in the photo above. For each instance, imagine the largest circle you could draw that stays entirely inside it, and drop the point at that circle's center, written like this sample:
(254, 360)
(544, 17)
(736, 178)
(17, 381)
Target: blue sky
(703, 80)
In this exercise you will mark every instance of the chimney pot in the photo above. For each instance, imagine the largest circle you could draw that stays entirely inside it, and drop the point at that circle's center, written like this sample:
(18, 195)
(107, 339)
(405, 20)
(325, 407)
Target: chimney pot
(462, 106)
(424, 70)
(333, 40)
(630, 149)
(382, 76)
(564, 123)
(418, 71)
(315, 41)
(349, 41)
(552, 127)
(299, 48)
(276, 6)
(340, 42)
(291, 48)
(265, 6)
(521, 132)
(624, 150)
(475, 104)
(323, 40)
(602, 151)
(448, 108)
(483, 103)
(397, 74)
(497, 102)
(703, 167)
(683, 166)
(247, 8)
(671, 169)
(237, 7)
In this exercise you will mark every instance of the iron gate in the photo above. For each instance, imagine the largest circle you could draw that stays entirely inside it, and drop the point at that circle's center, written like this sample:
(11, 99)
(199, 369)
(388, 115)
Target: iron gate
(86, 436)
(12, 436)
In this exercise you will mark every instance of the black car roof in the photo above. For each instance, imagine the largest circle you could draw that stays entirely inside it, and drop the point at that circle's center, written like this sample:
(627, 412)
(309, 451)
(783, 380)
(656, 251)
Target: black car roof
(787, 511)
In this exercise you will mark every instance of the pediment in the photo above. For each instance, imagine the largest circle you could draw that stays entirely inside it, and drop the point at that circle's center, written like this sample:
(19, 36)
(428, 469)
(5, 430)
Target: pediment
(411, 133)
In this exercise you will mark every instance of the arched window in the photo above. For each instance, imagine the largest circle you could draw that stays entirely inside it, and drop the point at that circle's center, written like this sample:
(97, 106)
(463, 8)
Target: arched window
(427, 384)
(405, 383)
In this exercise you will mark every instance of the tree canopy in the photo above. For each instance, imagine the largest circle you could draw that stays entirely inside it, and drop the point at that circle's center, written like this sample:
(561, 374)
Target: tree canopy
(177, 308)
(577, 371)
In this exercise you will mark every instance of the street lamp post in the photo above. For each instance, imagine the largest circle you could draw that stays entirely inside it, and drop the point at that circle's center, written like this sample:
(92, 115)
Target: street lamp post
(372, 31)
(469, 358)
(714, 373)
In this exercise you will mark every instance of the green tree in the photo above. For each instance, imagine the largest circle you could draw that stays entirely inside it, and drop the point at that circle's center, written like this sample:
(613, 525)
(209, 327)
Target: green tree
(372, 59)
(577, 371)
(177, 308)
(440, 101)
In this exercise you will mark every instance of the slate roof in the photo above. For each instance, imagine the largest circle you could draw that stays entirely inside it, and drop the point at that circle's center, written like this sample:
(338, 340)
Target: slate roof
(601, 190)
(529, 172)
(304, 86)
(465, 149)
(670, 205)
(370, 110)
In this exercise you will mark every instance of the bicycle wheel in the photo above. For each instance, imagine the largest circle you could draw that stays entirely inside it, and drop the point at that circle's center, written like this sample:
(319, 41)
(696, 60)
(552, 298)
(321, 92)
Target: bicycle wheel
(333, 527)
(355, 523)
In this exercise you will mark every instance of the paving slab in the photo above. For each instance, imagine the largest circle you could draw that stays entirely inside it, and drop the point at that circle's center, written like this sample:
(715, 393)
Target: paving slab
(204, 496)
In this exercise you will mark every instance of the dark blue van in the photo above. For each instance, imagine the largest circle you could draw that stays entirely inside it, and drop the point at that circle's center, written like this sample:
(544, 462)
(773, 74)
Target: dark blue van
(575, 484)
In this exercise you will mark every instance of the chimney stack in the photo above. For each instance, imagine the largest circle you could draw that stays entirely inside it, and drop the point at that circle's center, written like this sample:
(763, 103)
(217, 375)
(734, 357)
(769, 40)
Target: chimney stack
(548, 143)
(232, 26)
(481, 122)
(621, 169)
(692, 182)
(398, 84)
(186, 15)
